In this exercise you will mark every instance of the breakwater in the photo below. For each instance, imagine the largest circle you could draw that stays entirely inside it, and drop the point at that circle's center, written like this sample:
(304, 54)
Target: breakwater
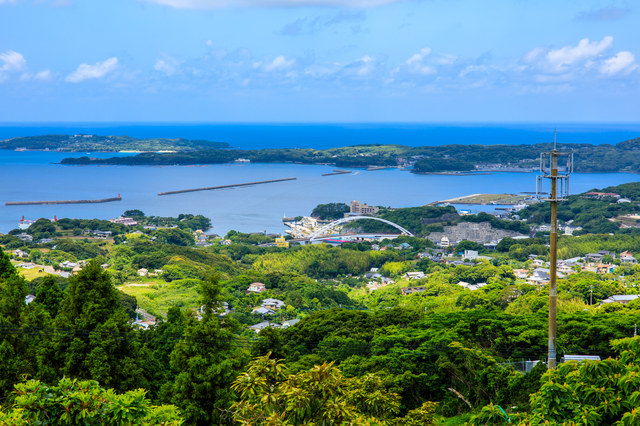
(34, 203)
(337, 172)
(225, 186)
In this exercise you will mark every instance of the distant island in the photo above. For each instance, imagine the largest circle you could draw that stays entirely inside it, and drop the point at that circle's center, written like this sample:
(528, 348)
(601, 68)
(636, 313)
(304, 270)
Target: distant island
(94, 143)
(622, 157)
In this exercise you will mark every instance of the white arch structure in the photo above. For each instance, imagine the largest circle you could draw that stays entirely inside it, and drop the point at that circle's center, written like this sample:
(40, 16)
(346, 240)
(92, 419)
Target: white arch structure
(333, 224)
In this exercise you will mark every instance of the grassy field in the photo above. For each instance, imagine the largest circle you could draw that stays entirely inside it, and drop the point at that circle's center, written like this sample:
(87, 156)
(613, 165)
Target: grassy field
(488, 198)
(156, 296)
(30, 274)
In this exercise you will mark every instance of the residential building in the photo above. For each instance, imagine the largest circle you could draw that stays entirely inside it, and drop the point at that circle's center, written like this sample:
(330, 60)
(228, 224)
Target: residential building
(372, 275)
(444, 242)
(289, 323)
(411, 290)
(25, 237)
(256, 288)
(143, 272)
(472, 287)
(621, 298)
(264, 324)
(273, 304)
(264, 311)
(124, 221)
(414, 275)
(102, 234)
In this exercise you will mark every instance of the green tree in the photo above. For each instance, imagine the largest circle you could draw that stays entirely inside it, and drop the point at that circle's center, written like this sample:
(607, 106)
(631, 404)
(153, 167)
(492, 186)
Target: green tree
(49, 295)
(74, 402)
(133, 213)
(208, 359)
(319, 396)
(331, 211)
(94, 338)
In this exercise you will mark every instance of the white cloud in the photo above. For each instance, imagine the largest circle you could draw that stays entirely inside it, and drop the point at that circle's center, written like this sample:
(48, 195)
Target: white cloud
(280, 63)
(216, 4)
(86, 71)
(560, 59)
(167, 65)
(416, 66)
(622, 61)
(43, 75)
(12, 61)
(419, 56)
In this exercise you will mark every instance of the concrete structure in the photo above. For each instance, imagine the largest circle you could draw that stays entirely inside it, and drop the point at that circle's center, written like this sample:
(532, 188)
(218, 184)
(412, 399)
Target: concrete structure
(360, 208)
(479, 232)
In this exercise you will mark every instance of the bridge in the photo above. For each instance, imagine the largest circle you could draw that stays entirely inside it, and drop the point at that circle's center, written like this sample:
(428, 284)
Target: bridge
(318, 235)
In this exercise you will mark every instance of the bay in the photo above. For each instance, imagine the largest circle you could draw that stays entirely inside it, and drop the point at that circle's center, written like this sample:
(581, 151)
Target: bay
(29, 176)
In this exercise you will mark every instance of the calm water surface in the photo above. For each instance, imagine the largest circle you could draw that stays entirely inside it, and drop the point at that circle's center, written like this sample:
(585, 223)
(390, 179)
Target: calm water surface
(29, 176)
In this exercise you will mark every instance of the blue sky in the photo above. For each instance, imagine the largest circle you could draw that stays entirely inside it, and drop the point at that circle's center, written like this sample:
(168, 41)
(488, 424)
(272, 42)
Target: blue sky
(319, 61)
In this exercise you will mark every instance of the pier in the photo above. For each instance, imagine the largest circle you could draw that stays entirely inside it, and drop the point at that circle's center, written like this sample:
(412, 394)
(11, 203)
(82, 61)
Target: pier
(337, 172)
(210, 188)
(35, 203)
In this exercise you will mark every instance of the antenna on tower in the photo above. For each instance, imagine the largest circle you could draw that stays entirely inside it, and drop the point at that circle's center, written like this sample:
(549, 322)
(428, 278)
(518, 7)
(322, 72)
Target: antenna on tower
(555, 131)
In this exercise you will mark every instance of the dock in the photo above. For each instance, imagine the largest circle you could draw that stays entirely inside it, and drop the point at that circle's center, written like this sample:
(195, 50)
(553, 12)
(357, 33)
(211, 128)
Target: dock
(211, 188)
(35, 203)
(337, 172)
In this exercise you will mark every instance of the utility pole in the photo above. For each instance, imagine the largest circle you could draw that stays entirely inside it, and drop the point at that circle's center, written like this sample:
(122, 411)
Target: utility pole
(559, 192)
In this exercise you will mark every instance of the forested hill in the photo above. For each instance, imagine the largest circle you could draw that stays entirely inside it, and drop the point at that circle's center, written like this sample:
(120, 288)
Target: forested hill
(593, 214)
(82, 143)
(622, 157)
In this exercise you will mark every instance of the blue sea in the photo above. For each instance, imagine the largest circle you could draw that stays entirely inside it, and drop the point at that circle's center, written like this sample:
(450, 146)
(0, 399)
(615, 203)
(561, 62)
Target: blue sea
(322, 136)
(34, 175)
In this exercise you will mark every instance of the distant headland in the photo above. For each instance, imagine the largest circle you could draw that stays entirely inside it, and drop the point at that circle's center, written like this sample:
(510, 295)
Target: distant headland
(94, 143)
(622, 157)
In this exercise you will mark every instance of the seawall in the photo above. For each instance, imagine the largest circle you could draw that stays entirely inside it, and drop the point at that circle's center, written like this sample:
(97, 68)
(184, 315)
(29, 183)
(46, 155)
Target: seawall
(225, 186)
(33, 203)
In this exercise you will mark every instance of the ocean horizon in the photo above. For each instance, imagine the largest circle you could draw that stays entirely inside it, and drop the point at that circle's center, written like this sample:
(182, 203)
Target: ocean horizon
(330, 135)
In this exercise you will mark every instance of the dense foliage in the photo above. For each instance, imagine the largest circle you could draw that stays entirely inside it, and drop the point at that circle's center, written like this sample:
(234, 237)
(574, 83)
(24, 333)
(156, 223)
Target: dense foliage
(587, 158)
(83, 143)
